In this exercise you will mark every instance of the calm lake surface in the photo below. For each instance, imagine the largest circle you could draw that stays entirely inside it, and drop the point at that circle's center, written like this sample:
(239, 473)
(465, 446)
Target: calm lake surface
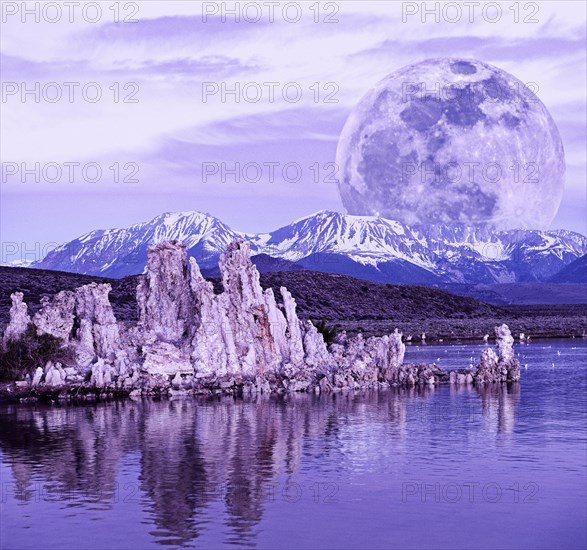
(503, 467)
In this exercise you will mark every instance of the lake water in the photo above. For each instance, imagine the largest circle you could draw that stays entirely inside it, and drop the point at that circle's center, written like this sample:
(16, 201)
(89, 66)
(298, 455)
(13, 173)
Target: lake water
(503, 467)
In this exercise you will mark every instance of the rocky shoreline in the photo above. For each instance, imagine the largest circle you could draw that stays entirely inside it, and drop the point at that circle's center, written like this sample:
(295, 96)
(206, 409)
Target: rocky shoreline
(190, 340)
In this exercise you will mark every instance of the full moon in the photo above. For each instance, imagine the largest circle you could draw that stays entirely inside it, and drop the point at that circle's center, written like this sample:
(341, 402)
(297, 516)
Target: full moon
(452, 141)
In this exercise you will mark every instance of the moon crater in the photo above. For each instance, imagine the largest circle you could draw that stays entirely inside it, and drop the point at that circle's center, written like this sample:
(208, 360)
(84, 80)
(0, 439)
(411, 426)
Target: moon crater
(452, 141)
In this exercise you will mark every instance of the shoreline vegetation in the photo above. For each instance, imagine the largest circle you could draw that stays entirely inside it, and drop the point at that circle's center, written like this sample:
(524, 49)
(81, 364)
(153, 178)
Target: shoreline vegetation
(194, 336)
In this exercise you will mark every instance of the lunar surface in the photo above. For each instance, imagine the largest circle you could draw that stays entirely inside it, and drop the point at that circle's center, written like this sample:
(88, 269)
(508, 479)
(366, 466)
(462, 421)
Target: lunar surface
(452, 141)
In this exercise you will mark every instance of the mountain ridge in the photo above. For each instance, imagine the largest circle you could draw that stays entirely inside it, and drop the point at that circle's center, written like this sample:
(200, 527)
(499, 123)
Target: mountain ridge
(375, 249)
(575, 272)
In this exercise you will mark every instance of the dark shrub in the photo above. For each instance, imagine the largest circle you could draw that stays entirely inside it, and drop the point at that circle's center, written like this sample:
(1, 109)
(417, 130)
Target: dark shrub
(328, 333)
(33, 350)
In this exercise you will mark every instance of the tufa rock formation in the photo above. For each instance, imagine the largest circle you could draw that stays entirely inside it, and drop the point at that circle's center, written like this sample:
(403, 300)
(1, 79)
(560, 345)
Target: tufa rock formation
(163, 296)
(184, 327)
(56, 316)
(243, 339)
(19, 319)
(82, 319)
(501, 366)
(493, 367)
(97, 335)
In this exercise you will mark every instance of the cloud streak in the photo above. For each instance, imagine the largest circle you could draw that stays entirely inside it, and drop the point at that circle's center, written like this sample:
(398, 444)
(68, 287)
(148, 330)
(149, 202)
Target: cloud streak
(171, 54)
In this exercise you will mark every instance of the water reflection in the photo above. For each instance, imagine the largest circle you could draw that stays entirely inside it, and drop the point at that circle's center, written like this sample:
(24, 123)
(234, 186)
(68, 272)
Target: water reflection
(230, 456)
(498, 405)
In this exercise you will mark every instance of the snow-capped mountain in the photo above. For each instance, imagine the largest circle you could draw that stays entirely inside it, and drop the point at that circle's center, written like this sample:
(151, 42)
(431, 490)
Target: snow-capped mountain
(120, 252)
(372, 248)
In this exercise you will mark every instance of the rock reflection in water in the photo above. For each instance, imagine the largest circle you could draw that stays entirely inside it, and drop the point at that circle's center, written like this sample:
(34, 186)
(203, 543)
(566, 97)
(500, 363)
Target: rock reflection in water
(498, 405)
(230, 455)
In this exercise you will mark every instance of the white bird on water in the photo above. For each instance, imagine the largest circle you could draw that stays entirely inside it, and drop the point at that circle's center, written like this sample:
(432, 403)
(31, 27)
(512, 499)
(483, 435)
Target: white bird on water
(558, 353)
(553, 365)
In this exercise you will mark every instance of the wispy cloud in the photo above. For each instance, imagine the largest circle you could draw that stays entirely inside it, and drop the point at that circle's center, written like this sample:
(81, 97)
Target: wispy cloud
(171, 53)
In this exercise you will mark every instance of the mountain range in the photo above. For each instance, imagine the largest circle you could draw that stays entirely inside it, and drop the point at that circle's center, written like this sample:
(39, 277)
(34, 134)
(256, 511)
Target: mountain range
(370, 248)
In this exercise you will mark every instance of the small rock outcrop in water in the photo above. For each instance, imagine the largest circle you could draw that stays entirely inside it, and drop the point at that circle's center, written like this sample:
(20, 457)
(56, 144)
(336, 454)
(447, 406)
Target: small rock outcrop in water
(500, 366)
(244, 339)
(377, 362)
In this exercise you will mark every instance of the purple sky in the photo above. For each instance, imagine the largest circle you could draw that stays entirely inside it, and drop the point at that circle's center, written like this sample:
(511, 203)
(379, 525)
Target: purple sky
(171, 134)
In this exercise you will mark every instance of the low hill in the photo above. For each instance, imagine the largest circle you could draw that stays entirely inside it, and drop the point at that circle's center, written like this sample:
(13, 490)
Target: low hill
(342, 301)
(523, 293)
(332, 297)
